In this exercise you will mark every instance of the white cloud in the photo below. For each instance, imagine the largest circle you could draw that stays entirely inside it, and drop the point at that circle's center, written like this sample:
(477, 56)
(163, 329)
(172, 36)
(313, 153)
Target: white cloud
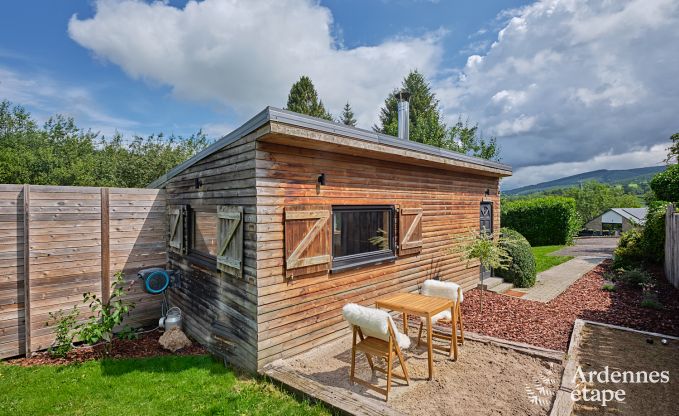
(46, 97)
(642, 157)
(246, 54)
(574, 85)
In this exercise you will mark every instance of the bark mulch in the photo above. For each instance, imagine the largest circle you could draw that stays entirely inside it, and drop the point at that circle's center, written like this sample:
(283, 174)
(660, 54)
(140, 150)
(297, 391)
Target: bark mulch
(549, 324)
(145, 346)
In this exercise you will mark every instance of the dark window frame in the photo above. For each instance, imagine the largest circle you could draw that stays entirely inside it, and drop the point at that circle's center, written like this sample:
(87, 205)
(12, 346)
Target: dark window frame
(354, 261)
(492, 220)
(200, 258)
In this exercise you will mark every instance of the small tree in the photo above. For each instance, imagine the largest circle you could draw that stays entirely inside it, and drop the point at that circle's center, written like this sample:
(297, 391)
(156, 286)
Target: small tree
(489, 252)
(107, 314)
(673, 150)
(348, 116)
(665, 184)
(303, 99)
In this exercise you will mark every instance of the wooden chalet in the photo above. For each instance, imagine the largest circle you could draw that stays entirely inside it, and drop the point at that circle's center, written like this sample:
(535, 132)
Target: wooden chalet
(285, 220)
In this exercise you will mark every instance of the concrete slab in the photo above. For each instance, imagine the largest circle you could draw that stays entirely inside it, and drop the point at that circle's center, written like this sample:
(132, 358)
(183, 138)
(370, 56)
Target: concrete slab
(552, 282)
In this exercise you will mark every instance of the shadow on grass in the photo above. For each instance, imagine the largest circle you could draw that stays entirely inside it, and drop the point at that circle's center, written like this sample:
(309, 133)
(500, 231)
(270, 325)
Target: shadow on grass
(164, 364)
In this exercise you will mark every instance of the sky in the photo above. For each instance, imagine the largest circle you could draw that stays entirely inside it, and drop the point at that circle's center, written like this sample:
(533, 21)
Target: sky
(566, 86)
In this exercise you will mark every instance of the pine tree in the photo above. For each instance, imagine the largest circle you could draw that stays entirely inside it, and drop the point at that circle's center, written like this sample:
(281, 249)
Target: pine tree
(348, 116)
(426, 125)
(426, 122)
(303, 99)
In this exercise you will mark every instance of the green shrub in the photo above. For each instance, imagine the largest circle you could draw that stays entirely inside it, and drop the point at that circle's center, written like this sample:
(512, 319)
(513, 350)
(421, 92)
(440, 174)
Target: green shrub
(542, 221)
(628, 254)
(646, 244)
(636, 278)
(521, 271)
(65, 331)
(653, 236)
(651, 304)
(665, 184)
(608, 287)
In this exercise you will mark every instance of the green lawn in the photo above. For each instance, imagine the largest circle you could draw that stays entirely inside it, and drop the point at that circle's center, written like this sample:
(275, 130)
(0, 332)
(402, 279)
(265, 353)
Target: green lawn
(543, 261)
(152, 386)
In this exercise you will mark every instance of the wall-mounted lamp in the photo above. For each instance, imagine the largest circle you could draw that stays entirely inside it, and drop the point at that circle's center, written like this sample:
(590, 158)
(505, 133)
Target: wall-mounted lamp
(197, 183)
(487, 193)
(321, 179)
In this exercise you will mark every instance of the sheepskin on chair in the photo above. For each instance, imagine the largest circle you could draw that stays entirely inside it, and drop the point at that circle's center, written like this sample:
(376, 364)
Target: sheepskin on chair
(441, 289)
(373, 323)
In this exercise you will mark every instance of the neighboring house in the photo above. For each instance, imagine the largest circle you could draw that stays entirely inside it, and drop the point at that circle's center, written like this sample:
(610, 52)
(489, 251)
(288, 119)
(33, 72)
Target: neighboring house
(285, 220)
(618, 220)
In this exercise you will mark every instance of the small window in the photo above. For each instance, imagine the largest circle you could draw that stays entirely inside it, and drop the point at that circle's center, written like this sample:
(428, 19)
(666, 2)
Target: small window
(203, 233)
(362, 235)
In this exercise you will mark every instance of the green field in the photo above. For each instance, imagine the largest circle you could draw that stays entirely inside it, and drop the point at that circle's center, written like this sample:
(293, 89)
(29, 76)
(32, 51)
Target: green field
(151, 386)
(544, 261)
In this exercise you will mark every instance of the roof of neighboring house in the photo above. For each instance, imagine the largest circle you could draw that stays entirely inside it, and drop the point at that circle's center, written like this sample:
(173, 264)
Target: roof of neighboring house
(636, 215)
(372, 142)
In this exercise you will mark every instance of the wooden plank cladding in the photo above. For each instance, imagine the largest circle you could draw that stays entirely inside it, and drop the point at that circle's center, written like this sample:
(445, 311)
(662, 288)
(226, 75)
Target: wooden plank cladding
(64, 241)
(218, 296)
(434, 208)
(329, 215)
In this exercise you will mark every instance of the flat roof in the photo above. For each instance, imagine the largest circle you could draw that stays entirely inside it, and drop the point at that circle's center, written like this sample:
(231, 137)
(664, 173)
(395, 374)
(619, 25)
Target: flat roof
(272, 114)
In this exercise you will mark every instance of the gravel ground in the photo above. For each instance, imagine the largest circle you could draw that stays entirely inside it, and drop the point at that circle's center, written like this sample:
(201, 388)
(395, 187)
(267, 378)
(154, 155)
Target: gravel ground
(486, 379)
(549, 324)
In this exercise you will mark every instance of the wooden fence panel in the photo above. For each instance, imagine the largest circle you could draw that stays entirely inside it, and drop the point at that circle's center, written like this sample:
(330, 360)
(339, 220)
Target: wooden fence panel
(672, 245)
(75, 240)
(12, 329)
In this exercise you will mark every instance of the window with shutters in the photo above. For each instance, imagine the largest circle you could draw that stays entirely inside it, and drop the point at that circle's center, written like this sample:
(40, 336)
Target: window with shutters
(362, 235)
(203, 232)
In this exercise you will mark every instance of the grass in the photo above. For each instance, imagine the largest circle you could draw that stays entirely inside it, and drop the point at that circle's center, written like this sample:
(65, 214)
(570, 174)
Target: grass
(150, 386)
(544, 261)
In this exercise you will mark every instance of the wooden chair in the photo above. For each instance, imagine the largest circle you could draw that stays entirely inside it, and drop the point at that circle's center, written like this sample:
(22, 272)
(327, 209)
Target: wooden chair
(375, 335)
(451, 291)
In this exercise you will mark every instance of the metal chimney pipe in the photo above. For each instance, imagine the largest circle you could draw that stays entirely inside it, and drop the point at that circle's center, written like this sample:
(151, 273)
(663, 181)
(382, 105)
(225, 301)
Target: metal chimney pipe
(403, 115)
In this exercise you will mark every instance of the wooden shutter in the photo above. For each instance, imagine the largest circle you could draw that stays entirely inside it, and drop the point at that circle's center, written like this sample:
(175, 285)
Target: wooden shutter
(177, 228)
(230, 240)
(409, 230)
(308, 242)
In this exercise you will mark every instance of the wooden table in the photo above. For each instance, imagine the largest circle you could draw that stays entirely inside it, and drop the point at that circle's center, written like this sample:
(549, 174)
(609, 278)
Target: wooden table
(420, 305)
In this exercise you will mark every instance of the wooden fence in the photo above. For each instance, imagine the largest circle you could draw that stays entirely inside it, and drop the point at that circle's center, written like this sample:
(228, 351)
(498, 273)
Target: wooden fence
(672, 245)
(58, 242)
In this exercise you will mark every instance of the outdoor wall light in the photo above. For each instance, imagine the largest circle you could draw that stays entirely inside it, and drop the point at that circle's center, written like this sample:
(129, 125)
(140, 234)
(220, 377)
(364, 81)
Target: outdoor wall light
(321, 179)
(487, 193)
(198, 183)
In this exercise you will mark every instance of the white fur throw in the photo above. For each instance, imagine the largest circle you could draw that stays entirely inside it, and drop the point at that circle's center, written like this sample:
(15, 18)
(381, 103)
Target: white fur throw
(373, 323)
(441, 289)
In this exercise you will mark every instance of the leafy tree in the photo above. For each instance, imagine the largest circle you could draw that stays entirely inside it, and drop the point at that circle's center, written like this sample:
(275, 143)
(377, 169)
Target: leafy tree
(665, 185)
(426, 122)
(348, 116)
(464, 138)
(673, 150)
(61, 153)
(303, 99)
(593, 198)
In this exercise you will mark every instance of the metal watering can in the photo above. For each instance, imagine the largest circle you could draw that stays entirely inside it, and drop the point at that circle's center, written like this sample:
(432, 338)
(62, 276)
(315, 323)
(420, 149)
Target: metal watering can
(172, 319)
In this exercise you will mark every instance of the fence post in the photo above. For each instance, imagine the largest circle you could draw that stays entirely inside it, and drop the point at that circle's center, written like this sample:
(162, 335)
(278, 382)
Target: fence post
(105, 246)
(27, 270)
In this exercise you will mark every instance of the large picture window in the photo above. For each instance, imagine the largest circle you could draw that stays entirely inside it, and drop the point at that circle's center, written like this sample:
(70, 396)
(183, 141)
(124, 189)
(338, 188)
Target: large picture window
(362, 235)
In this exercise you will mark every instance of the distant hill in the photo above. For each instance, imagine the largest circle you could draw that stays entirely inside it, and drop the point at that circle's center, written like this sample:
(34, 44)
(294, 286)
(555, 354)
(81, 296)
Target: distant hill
(611, 177)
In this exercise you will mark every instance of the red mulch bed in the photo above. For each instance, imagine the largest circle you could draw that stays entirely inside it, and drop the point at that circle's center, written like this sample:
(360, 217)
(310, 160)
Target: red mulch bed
(549, 324)
(145, 346)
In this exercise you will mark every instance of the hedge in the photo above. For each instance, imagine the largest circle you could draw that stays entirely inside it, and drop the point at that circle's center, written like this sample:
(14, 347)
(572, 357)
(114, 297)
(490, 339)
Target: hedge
(665, 184)
(550, 220)
(521, 272)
